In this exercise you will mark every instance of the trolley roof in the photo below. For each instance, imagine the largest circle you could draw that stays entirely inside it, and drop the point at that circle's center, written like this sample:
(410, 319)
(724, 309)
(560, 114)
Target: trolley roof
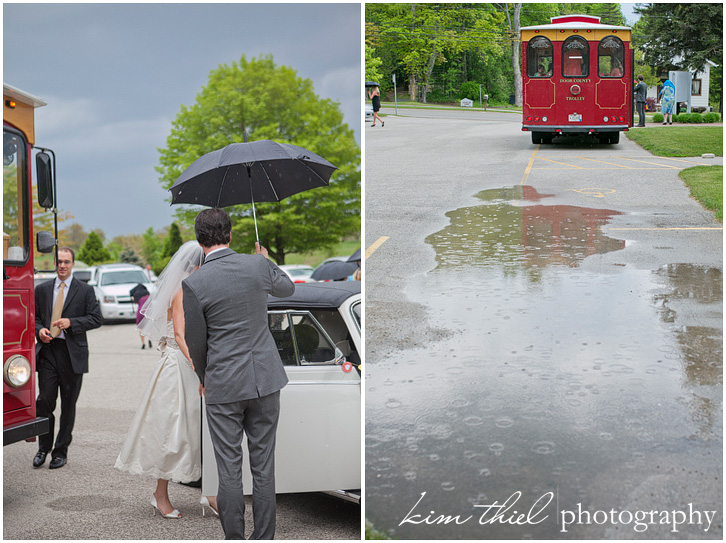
(572, 22)
(22, 96)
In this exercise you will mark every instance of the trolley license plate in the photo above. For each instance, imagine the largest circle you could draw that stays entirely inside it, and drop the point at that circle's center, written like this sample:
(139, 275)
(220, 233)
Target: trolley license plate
(575, 118)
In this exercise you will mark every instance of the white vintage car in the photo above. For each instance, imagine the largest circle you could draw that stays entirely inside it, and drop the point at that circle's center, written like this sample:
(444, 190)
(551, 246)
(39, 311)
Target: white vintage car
(317, 331)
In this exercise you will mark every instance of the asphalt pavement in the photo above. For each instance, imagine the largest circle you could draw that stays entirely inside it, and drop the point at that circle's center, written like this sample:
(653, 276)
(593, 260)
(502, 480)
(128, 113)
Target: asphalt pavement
(89, 499)
(539, 319)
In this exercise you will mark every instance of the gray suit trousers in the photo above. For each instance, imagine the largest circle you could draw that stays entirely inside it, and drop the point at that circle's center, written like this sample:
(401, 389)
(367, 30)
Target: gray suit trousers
(228, 422)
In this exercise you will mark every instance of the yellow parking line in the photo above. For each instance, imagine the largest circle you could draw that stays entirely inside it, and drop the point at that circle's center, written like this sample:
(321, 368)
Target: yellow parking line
(529, 166)
(603, 162)
(375, 245)
(654, 163)
(681, 160)
(563, 163)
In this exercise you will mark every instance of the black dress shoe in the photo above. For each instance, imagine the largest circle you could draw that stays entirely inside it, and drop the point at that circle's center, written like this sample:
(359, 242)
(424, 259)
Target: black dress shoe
(39, 459)
(57, 462)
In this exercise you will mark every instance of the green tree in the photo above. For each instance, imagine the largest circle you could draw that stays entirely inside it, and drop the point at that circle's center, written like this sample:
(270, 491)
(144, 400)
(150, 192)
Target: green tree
(129, 256)
(93, 251)
(266, 101)
(151, 246)
(682, 35)
(373, 64)
(173, 241)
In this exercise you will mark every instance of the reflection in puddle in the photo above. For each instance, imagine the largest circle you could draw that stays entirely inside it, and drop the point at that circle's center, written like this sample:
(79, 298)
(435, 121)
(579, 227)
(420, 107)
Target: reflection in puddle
(602, 387)
(505, 232)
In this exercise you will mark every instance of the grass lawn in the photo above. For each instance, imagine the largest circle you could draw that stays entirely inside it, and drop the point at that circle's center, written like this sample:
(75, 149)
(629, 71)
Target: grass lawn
(679, 140)
(344, 248)
(706, 184)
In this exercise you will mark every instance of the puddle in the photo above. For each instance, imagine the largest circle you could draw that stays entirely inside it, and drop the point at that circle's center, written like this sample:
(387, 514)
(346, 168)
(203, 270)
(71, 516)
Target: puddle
(507, 230)
(602, 388)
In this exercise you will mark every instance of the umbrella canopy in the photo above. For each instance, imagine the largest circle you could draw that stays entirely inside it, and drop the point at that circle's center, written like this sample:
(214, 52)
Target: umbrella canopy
(244, 173)
(334, 271)
(355, 257)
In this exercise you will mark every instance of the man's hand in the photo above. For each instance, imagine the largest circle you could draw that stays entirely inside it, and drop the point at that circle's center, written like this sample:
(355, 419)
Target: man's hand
(63, 324)
(44, 335)
(201, 390)
(260, 250)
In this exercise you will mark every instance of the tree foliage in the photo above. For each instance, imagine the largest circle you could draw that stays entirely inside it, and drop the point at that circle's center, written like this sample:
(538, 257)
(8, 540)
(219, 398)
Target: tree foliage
(93, 251)
(266, 101)
(680, 35)
(173, 241)
(129, 256)
(436, 48)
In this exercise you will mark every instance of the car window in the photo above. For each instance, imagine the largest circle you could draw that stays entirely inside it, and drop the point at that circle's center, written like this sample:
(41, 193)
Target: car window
(299, 339)
(355, 309)
(123, 276)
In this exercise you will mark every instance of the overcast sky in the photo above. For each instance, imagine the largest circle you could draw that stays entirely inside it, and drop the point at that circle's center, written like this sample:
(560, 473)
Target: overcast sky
(115, 76)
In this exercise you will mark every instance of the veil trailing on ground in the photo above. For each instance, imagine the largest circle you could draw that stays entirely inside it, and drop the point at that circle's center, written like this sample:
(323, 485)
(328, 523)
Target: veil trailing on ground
(187, 259)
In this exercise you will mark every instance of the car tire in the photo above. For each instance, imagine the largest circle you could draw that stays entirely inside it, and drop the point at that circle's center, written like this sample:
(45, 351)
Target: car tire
(536, 138)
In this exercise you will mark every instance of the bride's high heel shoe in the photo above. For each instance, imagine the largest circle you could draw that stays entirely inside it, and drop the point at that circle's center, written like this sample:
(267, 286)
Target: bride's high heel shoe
(205, 502)
(174, 514)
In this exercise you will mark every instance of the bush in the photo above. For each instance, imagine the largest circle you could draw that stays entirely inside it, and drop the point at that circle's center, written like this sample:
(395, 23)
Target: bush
(711, 118)
(658, 118)
(698, 109)
(691, 118)
(436, 96)
(470, 90)
(683, 118)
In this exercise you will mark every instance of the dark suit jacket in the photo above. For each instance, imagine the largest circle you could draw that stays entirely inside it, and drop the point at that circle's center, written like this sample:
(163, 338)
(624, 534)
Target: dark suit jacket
(226, 327)
(81, 307)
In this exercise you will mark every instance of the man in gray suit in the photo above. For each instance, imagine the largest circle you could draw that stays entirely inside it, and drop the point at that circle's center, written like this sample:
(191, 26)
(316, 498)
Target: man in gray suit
(241, 374)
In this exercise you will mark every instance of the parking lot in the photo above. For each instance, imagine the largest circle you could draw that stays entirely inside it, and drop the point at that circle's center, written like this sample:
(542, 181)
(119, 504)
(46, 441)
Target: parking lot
(538, 319)
(88, 499)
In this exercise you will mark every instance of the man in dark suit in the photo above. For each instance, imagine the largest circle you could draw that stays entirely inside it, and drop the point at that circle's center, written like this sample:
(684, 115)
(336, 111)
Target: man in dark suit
(235, 356)
(65, 309)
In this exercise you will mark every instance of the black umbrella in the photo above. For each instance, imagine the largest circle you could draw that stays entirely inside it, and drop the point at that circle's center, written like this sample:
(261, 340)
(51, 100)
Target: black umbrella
(355, 257)
(245, 173)
(334, 271)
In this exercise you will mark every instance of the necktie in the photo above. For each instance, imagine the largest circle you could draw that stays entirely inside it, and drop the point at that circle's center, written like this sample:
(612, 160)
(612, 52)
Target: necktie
(57, 310)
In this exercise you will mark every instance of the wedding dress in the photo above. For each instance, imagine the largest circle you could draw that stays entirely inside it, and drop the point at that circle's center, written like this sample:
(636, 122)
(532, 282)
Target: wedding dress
(164, 440)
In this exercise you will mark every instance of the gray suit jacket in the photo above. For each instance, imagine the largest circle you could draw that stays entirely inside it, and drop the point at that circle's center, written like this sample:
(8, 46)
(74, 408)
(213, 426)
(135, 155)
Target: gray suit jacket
(226, 326)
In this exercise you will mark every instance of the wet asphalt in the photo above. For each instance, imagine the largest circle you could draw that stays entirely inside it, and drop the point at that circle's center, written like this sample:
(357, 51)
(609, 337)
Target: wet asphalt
(543, 329)
(89, 499)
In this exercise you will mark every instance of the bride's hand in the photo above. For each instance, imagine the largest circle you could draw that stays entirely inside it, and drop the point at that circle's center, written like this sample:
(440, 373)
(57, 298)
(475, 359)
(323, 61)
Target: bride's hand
(201, 390)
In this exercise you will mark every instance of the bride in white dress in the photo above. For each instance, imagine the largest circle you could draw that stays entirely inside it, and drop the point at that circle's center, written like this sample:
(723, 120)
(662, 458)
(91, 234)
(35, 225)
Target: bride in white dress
(164, 439)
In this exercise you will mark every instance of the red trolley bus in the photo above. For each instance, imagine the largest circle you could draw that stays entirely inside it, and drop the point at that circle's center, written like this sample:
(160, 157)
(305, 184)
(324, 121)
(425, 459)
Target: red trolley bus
(577, 78)
(19, 416)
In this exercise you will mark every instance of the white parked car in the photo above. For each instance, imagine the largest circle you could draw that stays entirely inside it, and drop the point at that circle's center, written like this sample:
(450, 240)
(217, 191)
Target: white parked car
(298, 273)
(112, 284)
(317, 331)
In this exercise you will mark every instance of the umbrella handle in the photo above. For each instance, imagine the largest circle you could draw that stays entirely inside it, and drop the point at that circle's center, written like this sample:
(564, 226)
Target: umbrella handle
(254, 213)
